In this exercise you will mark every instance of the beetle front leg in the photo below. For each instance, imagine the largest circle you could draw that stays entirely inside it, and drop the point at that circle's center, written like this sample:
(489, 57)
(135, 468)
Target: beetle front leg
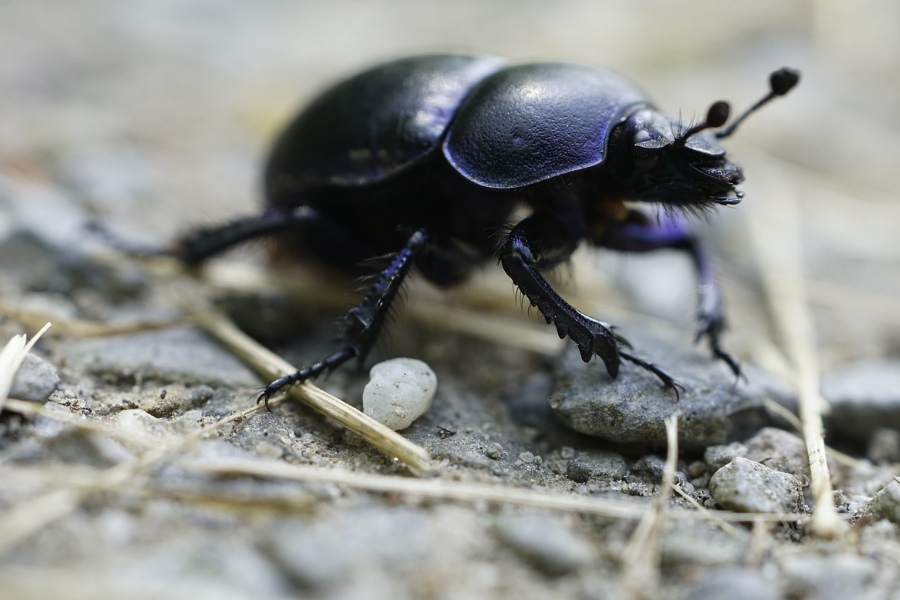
(539, 242)
(637, 233)
(362, 324)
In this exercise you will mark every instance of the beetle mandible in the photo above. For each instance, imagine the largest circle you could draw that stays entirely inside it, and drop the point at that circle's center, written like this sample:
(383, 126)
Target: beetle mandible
(425, 159)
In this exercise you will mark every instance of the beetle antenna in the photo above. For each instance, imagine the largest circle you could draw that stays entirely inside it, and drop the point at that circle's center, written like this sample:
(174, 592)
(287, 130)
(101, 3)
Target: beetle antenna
(716, 116)
(780, 83)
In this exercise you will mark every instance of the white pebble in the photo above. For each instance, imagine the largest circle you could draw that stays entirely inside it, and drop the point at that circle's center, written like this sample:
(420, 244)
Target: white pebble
(399, 392)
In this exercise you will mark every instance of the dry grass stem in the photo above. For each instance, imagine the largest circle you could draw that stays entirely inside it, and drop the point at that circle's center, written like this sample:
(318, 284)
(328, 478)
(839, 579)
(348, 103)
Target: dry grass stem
(441, 489)
(641, 558)
(775, 234)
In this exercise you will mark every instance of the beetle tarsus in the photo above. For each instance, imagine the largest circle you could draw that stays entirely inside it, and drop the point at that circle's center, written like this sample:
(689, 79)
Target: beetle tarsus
(711, 333)
(663, 376)
(311, 372)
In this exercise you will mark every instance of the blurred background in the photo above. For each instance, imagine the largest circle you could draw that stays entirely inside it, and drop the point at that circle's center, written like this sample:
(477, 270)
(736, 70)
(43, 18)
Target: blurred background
(156, 115)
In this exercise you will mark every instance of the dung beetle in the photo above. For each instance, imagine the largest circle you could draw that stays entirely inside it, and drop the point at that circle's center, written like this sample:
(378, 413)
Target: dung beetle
(424, 159)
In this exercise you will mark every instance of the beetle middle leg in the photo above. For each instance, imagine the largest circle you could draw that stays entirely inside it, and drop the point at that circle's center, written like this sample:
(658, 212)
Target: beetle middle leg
(539, 242)
(639, 233)
(361, 324)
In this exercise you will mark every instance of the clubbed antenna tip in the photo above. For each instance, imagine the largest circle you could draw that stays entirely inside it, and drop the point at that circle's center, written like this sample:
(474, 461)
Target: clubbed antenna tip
(780, 83)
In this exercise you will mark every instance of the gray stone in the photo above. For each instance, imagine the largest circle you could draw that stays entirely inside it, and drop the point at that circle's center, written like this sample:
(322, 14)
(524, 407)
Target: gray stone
(747, 486)
(733, 583)
(713, 409)
(779, 450)
(864, 396)
(547, 544)
(886, 503)
(35, 380)
(719, 456)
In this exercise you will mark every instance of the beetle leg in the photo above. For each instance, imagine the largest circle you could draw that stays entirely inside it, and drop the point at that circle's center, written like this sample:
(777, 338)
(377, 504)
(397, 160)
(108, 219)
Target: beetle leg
(539, 242)
(362, 324)
(201, 244)
(637, 233)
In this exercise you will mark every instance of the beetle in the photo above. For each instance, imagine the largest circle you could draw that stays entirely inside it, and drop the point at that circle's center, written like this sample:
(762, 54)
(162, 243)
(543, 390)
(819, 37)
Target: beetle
(424, 159)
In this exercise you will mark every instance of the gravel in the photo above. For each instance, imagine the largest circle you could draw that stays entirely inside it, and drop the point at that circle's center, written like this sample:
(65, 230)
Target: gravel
(153, 118)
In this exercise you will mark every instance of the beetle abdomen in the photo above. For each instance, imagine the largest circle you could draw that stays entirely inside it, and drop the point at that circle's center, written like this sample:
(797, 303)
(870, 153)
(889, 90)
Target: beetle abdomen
(529, 123)
(374, 124)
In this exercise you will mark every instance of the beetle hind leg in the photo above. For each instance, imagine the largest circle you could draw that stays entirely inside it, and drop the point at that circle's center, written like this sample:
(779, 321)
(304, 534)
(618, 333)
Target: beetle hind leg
(362, 323)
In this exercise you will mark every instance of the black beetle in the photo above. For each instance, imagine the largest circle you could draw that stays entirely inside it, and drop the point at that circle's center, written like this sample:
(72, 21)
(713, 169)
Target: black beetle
(425, 159)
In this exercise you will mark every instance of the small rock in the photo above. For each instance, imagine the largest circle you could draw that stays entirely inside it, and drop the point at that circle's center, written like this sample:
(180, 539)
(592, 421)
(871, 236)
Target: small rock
(719, 456)
(494, 451)
(886, 503)
(35, 380)
(864, 397)
(551, 547)
(633, 407)
(733, 583)
(399, 392)
(746, 486)
(779, 450)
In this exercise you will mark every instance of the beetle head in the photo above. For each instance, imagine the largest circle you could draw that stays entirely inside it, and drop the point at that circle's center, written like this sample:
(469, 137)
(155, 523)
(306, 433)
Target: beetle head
(688, 168)
(678, 165)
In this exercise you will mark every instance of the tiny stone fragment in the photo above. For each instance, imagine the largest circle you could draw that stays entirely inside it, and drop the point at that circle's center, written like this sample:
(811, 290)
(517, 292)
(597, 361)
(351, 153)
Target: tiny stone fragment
(746, 486)
(494, 451)
(35, 380)
(399, 392)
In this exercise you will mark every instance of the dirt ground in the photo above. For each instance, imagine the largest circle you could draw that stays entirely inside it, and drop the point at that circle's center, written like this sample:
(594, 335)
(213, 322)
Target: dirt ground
(136, 479)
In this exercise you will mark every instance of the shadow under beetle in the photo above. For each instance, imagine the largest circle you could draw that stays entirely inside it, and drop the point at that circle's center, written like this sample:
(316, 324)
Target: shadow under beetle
(424, 159)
